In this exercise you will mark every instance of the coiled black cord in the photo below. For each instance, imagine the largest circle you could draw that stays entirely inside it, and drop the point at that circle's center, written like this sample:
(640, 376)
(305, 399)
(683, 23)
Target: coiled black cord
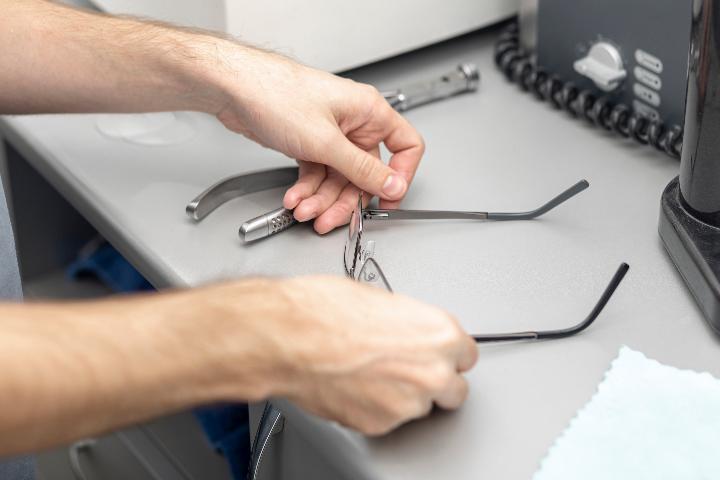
(564, 95)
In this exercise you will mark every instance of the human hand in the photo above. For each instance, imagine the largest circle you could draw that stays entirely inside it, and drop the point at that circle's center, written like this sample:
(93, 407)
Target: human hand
(332, 126)
(358, 355)
(369, 359)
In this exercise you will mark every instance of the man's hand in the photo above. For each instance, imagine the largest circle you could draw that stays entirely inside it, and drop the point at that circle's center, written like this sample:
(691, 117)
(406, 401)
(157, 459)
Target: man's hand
(358, 355)
(369, 359)
(333, 126)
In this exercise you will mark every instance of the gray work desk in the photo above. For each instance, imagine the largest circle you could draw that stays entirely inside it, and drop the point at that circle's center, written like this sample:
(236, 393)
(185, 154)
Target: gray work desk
(498, 149)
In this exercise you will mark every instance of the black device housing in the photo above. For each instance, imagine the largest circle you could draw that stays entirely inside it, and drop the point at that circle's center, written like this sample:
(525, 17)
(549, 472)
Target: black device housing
(690, 207)
(566, 29)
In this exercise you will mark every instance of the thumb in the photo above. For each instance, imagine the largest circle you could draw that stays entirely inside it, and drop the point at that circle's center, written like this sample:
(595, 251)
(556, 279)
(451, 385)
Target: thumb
(365, 171)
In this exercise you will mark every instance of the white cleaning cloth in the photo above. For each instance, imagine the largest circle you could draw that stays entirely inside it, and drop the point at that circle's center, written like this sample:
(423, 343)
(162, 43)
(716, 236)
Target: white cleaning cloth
(646, 421)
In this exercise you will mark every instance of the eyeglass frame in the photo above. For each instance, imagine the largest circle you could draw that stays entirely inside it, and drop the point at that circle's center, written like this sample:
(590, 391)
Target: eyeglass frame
(364, 254)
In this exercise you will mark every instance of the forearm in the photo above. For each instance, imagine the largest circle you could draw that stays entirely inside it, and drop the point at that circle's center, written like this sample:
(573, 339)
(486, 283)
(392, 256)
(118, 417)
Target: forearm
(58, 59)
(74, 370)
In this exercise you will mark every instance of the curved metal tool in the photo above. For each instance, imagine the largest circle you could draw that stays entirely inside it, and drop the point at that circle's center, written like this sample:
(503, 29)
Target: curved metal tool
(237, 186)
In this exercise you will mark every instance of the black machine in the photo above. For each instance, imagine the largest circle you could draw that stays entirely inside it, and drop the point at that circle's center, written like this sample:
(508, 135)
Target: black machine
(648, 70)
(690, 213)
(619, 64)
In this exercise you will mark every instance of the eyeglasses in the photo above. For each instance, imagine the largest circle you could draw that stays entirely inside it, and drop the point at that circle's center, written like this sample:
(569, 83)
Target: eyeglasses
(360, 265)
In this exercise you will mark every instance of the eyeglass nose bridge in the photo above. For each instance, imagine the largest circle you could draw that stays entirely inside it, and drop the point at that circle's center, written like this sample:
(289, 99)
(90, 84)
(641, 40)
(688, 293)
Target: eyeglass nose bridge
(365, 252)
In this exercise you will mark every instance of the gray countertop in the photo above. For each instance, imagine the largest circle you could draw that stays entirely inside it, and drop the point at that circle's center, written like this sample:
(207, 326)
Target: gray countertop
(498, 149)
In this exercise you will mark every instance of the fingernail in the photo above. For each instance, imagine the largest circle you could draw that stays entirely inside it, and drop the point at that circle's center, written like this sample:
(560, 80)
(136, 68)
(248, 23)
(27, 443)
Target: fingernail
(394, 186)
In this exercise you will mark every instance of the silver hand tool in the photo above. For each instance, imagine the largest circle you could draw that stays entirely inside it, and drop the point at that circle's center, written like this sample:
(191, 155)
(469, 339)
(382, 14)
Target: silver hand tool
(237, 186)
(465, 78)
(267, 224)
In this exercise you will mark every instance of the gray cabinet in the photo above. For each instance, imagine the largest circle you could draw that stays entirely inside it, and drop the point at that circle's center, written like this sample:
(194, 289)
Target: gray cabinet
(171, 448)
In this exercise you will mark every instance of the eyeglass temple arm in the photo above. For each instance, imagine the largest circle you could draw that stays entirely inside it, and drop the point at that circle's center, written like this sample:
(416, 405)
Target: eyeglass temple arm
(381, 214)
(563, 332)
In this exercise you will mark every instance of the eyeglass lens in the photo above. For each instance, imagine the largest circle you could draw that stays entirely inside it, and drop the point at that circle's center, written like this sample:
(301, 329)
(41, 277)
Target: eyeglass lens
(352, 244)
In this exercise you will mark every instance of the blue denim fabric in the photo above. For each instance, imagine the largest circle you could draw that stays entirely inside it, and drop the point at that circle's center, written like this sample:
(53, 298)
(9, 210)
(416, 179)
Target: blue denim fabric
(108, 266)
(22, 468)
(228, 430)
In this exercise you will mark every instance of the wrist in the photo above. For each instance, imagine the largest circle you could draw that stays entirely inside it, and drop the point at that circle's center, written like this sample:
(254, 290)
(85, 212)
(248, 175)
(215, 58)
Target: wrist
(212, 72)
(242, 76)
(188, 62)
(233, 335)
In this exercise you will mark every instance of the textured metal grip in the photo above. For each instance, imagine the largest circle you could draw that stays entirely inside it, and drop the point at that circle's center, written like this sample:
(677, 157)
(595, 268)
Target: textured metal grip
(267, 224)
(282, 220)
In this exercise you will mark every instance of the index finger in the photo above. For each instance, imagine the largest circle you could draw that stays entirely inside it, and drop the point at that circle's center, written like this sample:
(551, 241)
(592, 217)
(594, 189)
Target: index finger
(407, 148)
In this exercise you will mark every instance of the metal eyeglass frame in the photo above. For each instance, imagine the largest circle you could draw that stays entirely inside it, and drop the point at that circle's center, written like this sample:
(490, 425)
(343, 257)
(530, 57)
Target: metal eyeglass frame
(363, 267)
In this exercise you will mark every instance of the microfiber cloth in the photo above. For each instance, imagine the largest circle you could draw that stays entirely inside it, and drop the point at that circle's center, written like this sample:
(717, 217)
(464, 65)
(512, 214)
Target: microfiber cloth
(646, 421)
(227, 427)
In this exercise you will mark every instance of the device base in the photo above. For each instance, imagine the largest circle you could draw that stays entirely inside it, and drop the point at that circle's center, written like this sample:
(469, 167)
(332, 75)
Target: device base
(694, 247)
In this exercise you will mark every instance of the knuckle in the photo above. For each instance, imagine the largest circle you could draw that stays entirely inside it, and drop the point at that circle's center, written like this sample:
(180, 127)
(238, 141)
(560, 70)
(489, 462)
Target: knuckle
(464, 389)
(457, 396)
(370, 91)
(363, 167)
(380, 104)
(455, 334)
(438, 378)
(311, 178)
(430, 382)
(398, 409)
(404, 407)
(375, 424)
(424, 407)
(448, 332)
(343, 209)
(376, 429)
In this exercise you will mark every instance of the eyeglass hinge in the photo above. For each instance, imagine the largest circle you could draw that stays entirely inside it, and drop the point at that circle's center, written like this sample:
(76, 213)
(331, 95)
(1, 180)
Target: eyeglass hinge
(375, 215)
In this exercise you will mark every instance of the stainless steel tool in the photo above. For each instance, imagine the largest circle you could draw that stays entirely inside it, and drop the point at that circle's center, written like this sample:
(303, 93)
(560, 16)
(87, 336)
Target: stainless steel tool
(237, 186)
(267, 224)
(465, 78)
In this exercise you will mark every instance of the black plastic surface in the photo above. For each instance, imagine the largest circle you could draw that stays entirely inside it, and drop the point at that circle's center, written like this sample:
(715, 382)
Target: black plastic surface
(567, 29)
(694, 247)
(700, 166)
